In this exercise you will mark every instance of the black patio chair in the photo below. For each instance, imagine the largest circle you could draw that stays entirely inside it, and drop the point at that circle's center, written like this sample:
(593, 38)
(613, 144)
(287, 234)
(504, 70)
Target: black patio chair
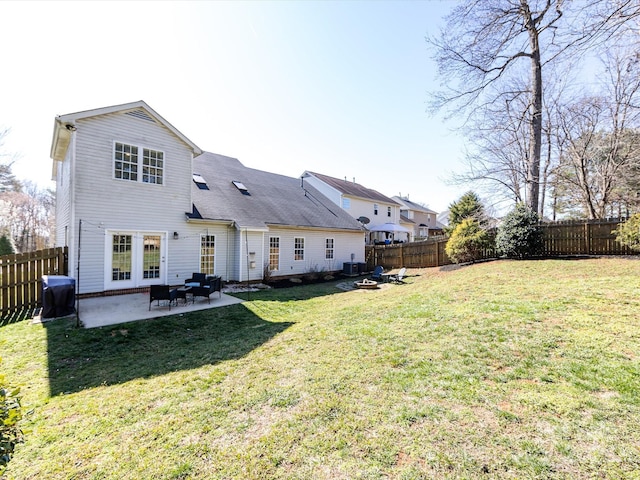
(196, 277)
(213, 284)
(162, 292)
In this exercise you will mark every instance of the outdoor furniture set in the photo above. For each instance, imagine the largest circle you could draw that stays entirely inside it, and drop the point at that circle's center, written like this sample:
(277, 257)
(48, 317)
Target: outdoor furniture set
(199, 285)
(378, 276)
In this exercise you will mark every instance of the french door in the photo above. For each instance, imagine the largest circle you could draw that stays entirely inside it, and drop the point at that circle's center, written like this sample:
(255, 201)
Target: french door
(135, 259)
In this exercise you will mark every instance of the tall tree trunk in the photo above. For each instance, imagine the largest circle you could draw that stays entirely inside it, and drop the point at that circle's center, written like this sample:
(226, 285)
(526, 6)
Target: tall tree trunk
(533, 168)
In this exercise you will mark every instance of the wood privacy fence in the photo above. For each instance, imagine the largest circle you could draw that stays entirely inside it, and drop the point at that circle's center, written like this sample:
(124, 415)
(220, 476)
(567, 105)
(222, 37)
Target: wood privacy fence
(21, 278)
(592, 237)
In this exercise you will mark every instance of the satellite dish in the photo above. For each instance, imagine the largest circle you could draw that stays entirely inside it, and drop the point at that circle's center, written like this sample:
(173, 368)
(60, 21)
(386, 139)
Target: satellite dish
(363, 220)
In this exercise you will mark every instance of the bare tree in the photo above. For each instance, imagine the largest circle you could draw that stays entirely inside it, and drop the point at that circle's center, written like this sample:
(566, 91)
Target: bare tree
(487, 46)
(601, 141)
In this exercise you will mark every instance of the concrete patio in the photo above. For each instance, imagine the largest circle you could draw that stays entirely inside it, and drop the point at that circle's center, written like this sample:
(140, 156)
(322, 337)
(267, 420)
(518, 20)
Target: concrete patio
(112, 310)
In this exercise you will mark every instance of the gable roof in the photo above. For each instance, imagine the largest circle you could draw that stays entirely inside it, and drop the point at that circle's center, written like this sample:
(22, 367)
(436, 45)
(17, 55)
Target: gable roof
(65, 124)
(405, 202)
(351, 188)
(269, 200)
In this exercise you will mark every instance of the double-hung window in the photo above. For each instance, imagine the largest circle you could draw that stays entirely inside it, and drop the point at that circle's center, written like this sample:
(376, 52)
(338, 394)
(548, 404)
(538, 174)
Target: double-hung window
(328, 249)
(298, 248)
(388, 211)
(128, 164)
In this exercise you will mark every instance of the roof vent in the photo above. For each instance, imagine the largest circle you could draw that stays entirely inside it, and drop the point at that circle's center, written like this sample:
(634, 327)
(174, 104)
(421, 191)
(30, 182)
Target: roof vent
(141, 114)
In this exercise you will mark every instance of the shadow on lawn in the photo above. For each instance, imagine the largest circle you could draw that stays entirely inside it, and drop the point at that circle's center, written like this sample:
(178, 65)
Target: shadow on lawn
(80, 358)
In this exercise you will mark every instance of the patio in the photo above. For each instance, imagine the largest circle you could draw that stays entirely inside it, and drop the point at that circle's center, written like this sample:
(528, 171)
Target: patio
(112, 310)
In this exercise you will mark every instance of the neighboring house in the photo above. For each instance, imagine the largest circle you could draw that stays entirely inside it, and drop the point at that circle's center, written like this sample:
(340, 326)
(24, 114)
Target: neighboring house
(358, 201)
(138, 204)
(423, 221)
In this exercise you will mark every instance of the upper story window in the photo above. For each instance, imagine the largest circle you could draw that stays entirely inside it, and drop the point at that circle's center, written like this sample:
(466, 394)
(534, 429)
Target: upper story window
(129, 166)
(375, 208)
(388, 211)
(346, 203)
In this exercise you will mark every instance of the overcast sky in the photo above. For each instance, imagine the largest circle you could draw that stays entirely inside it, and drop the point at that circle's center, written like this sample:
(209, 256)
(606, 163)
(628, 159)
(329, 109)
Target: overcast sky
(335, 87)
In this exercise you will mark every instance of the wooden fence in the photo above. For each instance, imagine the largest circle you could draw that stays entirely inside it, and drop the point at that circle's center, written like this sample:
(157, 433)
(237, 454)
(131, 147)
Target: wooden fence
(592, 237)
(21, 278)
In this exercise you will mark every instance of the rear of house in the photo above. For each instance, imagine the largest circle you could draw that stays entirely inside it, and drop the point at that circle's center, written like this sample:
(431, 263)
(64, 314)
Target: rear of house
(139, 204)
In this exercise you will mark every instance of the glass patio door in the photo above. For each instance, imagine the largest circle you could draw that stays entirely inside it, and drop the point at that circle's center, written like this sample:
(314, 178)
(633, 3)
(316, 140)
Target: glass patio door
(135, 259)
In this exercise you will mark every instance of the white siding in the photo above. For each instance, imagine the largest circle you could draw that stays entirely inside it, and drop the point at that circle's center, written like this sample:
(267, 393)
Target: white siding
(365, 208)
(345, 244)
(105, 203)
(331, 193)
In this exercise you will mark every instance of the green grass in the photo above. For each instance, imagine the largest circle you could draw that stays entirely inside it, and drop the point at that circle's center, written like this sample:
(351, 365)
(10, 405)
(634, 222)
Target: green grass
(498, 370)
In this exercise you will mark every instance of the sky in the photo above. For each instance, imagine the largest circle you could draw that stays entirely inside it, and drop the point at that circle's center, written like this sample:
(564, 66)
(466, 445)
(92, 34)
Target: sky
(334, 87)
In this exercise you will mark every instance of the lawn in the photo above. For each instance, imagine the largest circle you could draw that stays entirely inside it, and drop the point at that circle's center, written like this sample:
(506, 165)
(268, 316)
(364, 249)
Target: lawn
(506, 369)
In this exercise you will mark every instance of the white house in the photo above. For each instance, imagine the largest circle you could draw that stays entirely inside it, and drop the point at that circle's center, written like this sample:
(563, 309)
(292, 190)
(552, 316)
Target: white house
(370, 206)
(138, 204)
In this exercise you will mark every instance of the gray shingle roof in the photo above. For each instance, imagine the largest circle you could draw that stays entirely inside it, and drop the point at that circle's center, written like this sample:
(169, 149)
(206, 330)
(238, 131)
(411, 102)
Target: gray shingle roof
(272, 199)
(352, 188)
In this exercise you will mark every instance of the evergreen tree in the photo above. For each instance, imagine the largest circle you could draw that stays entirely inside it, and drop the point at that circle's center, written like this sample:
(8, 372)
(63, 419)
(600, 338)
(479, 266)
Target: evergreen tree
(468, 206)
(6, 248)
(519, 235)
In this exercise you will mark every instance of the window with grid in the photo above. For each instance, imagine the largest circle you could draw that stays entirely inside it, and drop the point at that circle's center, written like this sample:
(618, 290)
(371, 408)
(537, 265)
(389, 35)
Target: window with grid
(151, 256)
(152, 166)
(388, 211)
(375, 208)
(207, 254)
(274, 253)
(121, 257)
(126, 162)
(328, 249)
(298, 248)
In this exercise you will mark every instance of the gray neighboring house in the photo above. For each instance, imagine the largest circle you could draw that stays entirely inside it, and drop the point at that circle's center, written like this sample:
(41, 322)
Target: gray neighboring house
(139, 204)
(422, 220)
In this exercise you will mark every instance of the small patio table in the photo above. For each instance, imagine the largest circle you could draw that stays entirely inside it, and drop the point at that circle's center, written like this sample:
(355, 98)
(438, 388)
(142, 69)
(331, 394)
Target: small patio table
(183, 292)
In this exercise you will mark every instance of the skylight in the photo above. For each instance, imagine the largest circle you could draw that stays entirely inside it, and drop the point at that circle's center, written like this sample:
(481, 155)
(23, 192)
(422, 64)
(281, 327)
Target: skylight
(240, 186)
(200, 181)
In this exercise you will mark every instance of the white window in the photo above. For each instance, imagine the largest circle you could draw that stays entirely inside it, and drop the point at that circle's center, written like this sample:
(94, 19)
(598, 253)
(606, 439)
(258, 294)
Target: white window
(298, 248)
(388, 211)
(375, 208)
(346, 203)
(121, 258)
(274, 253)
(207, 254)
(328, 249)
(127, 164)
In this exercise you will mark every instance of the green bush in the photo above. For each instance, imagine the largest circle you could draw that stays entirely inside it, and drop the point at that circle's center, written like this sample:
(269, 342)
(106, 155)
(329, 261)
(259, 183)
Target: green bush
(628, 233)
(6, 248)
(519, 235)
(467, 241)
(10, 416)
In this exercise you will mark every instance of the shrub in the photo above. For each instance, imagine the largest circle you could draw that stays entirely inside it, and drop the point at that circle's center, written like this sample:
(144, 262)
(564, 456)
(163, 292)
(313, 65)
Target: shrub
(10, 416)
(628, 233)
(519, 235)
(467, 241)
(6, 248)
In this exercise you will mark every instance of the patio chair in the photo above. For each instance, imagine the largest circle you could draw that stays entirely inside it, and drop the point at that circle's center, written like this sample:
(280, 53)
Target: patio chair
(214, 284)
(377, 274)
(162, 292)
(196, 277)
(398, 277)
